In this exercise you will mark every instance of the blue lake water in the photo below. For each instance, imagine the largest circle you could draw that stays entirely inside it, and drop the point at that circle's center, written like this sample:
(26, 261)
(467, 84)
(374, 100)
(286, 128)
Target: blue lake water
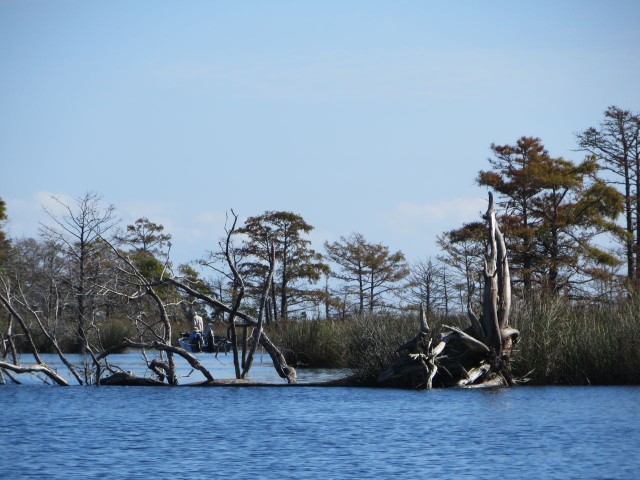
(287, 433)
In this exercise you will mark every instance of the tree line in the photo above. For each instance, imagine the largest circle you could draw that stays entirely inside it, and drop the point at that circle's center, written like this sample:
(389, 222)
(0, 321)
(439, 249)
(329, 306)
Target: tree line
(560, 218)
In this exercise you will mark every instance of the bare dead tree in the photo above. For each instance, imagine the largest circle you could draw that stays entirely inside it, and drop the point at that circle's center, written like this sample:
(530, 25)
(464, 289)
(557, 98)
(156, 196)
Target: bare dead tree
(162, 346)
(258, 330)
(163, 343)
(77, 231)
(40, 366)
(144, 287)
(240, 290)
(477, 356)
(284, 370)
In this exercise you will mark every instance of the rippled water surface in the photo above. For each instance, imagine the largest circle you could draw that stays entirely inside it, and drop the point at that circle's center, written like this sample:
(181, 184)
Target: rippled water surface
(310, 432)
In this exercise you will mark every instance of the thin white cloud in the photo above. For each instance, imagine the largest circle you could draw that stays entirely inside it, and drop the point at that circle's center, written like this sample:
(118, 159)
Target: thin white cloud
(53, 202)
(212, 217)
(26, 214)
(409, 218)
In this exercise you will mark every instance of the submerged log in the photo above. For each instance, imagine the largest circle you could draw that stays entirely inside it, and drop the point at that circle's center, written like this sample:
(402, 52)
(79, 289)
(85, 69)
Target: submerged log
(129, 379)
(478, 356)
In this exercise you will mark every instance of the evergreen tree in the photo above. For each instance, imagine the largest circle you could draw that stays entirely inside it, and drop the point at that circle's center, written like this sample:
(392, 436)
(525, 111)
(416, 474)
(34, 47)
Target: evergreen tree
(615, 143)
(554, 209)
(297, 263)
(146, 241)
(145, 236)
(369, 269)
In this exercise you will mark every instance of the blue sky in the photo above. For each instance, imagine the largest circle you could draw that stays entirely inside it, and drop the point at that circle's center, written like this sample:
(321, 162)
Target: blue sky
(361, 116)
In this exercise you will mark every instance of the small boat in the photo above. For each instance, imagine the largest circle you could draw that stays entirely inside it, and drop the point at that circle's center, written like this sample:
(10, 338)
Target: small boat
(208, 344)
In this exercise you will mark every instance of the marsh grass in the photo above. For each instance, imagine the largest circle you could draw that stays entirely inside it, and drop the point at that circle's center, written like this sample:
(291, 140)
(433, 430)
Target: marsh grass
(566, 344)
(561, 343)
(113, 332)
(372, 342)
(312, 343)
(366, 344)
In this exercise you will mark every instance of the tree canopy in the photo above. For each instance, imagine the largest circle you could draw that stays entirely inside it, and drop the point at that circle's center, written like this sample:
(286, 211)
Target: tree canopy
(370, 269)
(553, 210)
(615, 144)
(297, 264)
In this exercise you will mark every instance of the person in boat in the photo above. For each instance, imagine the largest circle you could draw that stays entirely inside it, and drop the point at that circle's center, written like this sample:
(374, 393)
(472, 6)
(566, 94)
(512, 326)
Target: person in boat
(196, 331)
(209, 337)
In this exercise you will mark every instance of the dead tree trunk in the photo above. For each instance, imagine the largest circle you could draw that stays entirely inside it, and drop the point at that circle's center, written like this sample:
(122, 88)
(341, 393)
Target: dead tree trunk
(258, 330)
(478, 356)
(162, 368)
(40, 366)
(285, 371)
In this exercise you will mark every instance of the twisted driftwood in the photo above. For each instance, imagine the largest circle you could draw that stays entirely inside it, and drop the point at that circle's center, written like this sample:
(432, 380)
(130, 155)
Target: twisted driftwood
(480, 355)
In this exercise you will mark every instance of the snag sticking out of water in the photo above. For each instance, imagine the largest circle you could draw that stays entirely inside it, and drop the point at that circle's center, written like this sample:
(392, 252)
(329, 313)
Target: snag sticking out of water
(477, 356)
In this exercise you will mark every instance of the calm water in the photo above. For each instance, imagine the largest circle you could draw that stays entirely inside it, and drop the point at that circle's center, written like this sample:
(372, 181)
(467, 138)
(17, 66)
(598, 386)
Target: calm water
(282, 433)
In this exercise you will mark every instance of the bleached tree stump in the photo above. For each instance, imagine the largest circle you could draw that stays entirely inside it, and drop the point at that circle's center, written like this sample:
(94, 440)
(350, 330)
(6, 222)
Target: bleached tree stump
(477, 356)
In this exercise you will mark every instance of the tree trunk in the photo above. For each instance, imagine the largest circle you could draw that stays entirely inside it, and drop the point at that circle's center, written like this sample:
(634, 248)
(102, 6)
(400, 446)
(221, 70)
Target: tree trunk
(478, 356)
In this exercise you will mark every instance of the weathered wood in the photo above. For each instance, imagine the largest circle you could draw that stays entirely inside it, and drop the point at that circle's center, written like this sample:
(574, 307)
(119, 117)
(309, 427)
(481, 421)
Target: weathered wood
(475, 357)
(129, 379)
(438, 349)
(284, 370)
(471, 343)
(424, 324)
(490, 301)
(507, 332)
(493, 382)
(473, 375)
(279, 362)
(476, 326)
(37, 368)
(504, 281)
(258, 330)
(157, 345)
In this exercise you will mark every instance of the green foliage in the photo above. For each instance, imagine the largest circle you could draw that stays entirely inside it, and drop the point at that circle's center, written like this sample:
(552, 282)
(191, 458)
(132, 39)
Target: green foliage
(615, 144)
(148, 265)
(193, 279)
(145, 236)
(113, 332)
(553, 209)
(297, 264)
(369, 269)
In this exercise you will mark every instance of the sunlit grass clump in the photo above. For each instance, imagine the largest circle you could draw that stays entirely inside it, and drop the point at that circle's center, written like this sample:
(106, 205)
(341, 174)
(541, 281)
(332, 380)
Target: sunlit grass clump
(567, 344)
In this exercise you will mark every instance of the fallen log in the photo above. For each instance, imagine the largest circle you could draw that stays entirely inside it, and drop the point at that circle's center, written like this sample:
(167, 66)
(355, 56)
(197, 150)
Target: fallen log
(156, 345)
(129, 379)
(37, 368)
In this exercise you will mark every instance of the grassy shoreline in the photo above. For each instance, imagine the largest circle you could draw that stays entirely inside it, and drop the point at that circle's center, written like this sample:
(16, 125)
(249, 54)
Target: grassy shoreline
(560, 344)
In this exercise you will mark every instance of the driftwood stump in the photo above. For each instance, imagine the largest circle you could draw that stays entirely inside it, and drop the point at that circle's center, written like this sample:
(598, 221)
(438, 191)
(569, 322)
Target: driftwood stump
(478, 356)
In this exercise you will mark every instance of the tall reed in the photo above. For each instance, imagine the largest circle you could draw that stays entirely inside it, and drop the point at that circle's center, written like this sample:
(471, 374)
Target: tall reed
(315, 343)
(572, 344)
(561, 343)
(366, 344)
